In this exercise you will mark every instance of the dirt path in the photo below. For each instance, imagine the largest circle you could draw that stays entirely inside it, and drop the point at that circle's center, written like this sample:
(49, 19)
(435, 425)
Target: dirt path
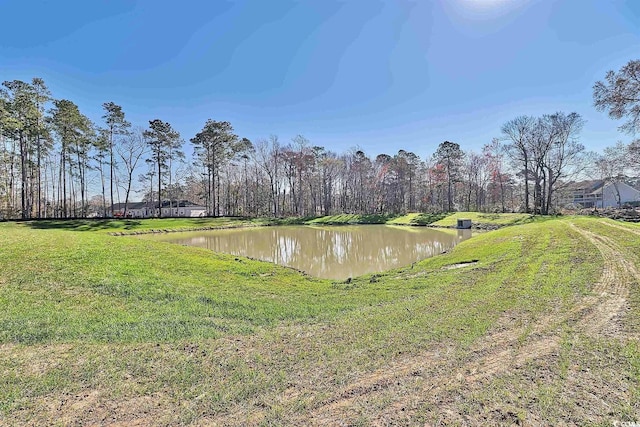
(613, 289)
(434, 378)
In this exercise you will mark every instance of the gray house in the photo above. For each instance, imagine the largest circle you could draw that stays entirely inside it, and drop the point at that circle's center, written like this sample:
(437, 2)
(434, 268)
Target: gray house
(601, 193)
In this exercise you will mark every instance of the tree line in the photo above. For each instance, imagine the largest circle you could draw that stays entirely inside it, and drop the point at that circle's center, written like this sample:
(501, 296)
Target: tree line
(56, 163)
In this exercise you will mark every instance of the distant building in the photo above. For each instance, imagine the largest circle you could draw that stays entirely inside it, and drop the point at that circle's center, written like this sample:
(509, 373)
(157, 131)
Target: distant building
(182, 208)
(601, 193)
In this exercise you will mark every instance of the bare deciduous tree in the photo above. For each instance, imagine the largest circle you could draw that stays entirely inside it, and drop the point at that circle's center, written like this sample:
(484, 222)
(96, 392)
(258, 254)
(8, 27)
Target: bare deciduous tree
(131, 150)
(518, 133)
(620, 95)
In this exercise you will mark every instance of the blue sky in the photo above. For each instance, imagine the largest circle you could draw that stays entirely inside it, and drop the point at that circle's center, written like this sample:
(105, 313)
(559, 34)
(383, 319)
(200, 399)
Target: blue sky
(380, 75)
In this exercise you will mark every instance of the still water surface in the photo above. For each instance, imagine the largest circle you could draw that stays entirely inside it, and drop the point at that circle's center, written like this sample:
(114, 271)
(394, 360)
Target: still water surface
(336, 252)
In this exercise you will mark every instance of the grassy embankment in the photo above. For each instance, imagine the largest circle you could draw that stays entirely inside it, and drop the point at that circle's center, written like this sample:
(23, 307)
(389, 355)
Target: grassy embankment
(344, 219)
(417, 219)
(132, 226)
(485, 219)
(435, 219)
(96, 328)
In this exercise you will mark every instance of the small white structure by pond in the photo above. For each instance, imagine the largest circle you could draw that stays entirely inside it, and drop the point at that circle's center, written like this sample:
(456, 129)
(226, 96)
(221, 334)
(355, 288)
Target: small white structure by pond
(464, 224)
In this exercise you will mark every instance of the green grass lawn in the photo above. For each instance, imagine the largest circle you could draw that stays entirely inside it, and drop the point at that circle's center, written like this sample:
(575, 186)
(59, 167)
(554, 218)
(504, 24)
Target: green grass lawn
(96, 328)
(154, 224)
(417, 219)
(344, 219)
(499, 219)
(133, 226)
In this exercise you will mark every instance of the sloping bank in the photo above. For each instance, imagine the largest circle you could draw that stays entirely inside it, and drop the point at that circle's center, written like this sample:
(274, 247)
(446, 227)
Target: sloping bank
(97, 329)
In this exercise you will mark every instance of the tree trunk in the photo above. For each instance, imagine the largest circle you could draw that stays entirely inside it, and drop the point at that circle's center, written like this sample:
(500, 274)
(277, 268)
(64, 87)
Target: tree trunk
(159, 187)
(111, 166)
(23, 171)
(39, 173)
(104, 197)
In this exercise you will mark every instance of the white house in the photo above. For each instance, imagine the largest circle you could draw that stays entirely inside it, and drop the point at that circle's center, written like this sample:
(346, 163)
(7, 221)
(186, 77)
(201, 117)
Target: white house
(602, 193)
(182, 208)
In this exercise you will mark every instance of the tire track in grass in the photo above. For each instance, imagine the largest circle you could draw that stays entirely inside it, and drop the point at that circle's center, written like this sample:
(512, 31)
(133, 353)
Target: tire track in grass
(593, 314)
(621, 227)
(612, 291)
(498, 352)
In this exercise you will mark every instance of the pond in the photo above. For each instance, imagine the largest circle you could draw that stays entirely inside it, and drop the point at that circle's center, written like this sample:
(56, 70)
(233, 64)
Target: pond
(332, 252)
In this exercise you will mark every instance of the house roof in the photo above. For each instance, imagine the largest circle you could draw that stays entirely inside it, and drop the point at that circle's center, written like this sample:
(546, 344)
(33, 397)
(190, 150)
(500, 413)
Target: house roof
(586, 186)
(595, 186)
(132, 205)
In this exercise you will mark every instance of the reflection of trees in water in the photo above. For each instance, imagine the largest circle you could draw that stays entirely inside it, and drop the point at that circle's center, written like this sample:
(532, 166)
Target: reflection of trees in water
(337, 252)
